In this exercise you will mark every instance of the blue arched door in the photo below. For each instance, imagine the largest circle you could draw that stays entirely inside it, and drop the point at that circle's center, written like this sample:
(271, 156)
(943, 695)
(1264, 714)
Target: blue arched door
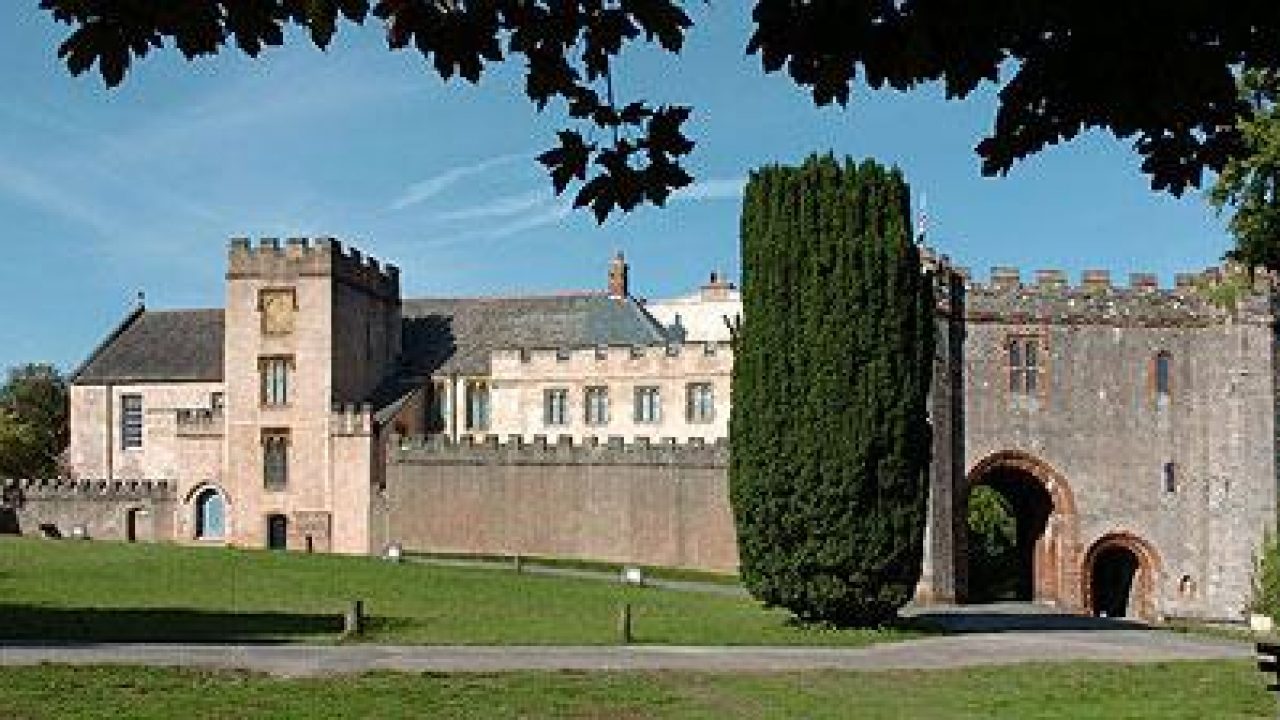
(210, 515)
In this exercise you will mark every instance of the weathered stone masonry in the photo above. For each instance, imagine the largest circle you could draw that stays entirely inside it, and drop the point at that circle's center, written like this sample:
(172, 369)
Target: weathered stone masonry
(140, 510)
(1185, 479)
(657, 503)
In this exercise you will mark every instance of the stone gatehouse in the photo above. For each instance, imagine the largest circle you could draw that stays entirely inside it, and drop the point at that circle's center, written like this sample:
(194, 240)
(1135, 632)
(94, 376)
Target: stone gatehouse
(1132, 429)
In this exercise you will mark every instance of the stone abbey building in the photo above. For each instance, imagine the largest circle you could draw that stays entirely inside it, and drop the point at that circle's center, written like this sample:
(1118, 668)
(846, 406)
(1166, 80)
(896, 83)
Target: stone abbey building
(1132, 429)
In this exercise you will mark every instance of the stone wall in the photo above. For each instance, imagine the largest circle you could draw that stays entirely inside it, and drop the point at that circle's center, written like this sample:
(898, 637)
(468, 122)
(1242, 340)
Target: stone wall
(136, 510)
(95, 446)
(1096, 430)
(651, 504)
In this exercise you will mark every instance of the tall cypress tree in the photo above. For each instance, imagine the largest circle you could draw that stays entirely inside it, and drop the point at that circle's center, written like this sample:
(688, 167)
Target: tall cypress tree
(833, 361)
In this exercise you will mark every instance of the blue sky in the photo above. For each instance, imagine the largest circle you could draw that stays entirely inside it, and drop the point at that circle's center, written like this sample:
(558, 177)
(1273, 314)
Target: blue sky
(107, 192)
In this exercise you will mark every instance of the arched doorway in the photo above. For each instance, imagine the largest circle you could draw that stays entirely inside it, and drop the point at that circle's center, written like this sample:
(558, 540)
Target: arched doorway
(210, 512)
(1042, 561)
(1120, 577)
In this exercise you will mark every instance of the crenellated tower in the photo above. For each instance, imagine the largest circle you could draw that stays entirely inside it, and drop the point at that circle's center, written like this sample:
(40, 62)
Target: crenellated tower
(310, 326)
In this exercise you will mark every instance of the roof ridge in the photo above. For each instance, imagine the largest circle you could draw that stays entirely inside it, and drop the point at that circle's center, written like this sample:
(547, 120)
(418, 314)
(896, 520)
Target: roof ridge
(171, 311)
(111, 337)
(556, 295)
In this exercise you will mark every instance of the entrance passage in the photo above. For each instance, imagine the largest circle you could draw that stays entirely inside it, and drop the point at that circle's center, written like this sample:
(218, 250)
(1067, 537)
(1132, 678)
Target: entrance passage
(1115, 570)
(1009, 510)
(277, 532)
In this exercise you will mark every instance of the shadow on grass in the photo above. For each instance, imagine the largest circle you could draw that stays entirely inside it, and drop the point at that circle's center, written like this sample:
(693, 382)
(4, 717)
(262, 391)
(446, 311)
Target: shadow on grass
(38, 623)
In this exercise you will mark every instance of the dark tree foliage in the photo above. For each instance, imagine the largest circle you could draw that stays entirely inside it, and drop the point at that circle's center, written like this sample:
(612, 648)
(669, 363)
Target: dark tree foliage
(1157, 71)
(1250, 184)
(993, 546)
(832, 367)
(33, 422)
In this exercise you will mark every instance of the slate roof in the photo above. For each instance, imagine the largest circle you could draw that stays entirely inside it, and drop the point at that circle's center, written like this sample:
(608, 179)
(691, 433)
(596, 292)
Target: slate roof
(158, 346)
(456, 335)
(440, 336)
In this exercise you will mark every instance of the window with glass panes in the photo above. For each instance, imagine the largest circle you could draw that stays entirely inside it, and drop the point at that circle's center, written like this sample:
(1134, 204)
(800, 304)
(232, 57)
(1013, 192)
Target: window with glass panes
(1163, 361)
(555, 408)
(700, 404)
(130, 421)
(436, 408)
(477, 405)
(597, 402)
(275, 459)
(275, 379)
(648, 404)
(1025, 356)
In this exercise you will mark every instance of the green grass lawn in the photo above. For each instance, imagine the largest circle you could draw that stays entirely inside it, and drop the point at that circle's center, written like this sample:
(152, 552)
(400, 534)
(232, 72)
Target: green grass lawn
(1079, 691)
(76, 590)
(650, 571)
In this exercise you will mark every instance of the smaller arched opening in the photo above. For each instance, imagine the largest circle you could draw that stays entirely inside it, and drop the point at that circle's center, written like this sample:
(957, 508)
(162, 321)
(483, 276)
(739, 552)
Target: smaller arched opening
(1120, 573)
(210, 508)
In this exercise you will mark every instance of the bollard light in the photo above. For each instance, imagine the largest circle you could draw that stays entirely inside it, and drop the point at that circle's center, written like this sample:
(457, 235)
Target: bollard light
(394, 552)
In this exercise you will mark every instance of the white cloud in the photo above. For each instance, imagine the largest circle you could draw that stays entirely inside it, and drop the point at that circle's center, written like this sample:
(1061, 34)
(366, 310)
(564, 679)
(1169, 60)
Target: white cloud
(715, 189)
(274, 93)
(551, 215)
(547, 211)
(432, 186)
(498, 207)
(55, 199)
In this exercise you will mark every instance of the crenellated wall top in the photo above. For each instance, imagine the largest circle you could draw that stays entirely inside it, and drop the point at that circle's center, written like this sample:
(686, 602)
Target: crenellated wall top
(702, 356)
(1210, 297)
(563, 450)
(324, 256)
(101, 489)
(351, 419)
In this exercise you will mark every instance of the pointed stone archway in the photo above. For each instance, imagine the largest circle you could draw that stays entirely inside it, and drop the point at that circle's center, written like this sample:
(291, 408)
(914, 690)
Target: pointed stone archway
(1048, 525)
(1120, 576)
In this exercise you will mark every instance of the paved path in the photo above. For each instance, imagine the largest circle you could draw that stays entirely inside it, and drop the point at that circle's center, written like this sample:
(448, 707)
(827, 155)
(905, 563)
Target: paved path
(1124, 645)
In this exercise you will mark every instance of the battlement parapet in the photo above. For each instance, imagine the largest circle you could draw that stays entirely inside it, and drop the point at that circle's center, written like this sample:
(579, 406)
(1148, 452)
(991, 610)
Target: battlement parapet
(564, 450)
(351, 419)
(200, 422)
(700, 357)
(324, 256)
(88, 488)
(1009, 278)
(1197, 299)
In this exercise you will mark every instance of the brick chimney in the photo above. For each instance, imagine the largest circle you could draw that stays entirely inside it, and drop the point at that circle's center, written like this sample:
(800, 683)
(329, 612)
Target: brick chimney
(618, 284)
(717, 288)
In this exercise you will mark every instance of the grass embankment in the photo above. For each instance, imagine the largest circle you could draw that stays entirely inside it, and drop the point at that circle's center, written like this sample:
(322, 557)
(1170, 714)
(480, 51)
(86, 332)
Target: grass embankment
(1167, 691)
(73, 590)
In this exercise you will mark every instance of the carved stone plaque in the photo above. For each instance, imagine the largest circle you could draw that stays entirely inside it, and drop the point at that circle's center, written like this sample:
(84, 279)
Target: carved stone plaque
(278, 308)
